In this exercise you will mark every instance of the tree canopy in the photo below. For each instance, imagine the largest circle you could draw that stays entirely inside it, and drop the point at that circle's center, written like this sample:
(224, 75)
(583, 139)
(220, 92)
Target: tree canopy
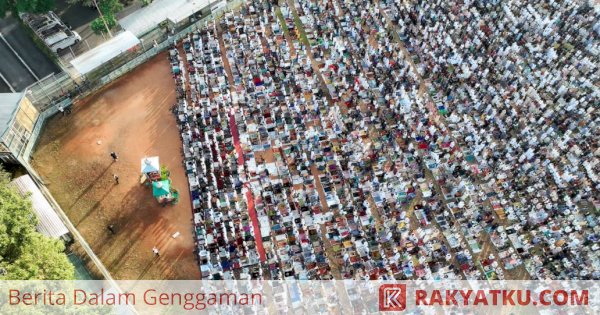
(31, 6)
(85, 3)
(25, 254)
(108, 8)
(4, 7)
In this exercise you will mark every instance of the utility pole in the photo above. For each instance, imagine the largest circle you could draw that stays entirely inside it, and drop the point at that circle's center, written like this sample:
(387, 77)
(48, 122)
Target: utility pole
(103, 19)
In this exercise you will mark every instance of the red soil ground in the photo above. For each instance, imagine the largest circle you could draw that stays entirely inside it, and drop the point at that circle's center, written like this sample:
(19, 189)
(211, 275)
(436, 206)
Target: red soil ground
(131, 117)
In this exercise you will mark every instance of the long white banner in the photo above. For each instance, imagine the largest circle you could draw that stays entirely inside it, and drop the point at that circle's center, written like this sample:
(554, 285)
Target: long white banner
(299, 297)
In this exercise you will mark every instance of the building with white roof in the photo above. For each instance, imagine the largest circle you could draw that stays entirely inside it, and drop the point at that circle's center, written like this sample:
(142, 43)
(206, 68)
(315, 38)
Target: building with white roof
(49, 223)
(147, 18)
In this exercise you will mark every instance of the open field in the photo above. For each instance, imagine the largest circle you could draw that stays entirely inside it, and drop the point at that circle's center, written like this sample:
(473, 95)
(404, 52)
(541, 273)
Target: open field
(131, 117)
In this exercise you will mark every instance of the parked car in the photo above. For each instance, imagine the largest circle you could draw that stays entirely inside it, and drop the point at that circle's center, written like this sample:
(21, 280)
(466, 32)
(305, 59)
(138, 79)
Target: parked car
(55, 38)
(65, 43)
(51, 30)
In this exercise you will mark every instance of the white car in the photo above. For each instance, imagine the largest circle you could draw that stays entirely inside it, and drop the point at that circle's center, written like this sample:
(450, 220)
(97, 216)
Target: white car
(49, 27)
(55, 38)
(66, 42)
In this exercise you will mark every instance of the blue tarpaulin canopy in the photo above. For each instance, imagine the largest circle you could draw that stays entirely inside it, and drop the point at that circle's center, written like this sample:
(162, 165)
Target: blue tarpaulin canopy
(161, 188)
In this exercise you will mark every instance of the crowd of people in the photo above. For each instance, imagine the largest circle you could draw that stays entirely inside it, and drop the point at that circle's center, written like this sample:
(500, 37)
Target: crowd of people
(222, 225)
(521, 78)
(393, 140)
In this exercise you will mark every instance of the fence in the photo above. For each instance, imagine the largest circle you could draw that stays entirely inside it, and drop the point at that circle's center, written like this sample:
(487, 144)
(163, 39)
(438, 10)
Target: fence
(59, 90)
(58, 87)
(37, 128)
(170, 39)
(62, 89)
(48, 89)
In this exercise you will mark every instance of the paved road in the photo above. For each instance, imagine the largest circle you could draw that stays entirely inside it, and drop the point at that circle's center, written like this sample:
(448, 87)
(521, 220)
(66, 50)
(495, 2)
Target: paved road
(78, 18)
(11, 67)
(4, 88)
(75, 15)
(13, 70)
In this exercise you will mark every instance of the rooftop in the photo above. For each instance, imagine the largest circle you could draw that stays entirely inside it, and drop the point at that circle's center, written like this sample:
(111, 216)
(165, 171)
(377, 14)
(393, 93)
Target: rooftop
(145, 19)
(8, 104)
(105, 52)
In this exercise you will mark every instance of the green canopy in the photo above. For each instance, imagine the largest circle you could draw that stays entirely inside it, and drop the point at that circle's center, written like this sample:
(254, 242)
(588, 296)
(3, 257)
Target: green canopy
(161, 188)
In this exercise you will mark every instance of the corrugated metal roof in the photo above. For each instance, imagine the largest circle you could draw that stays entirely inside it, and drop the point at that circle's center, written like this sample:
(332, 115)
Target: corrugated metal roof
(49, 223)
(147, 18)
(96, 57)
(8, 104)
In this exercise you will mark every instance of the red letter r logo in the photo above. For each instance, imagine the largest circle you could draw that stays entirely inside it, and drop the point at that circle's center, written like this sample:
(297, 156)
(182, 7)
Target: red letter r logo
(392, 297)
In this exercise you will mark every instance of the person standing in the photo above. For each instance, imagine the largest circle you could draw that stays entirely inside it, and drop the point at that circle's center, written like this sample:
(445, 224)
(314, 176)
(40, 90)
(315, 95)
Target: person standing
(156, 252)
(116, 178)
(114, 156)
(111, 228)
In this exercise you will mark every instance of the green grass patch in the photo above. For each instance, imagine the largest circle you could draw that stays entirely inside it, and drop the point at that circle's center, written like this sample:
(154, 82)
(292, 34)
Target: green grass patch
(286, 30)
(301, 31)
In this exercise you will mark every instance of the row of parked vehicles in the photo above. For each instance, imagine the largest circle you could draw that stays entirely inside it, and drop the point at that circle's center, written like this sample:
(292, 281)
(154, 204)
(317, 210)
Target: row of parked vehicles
(50, 28)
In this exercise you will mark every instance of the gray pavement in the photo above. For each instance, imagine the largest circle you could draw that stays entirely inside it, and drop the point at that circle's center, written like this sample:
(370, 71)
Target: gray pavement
(78, 17)
(75, 15)
(4, 88)
(11, 67)
(13, 70)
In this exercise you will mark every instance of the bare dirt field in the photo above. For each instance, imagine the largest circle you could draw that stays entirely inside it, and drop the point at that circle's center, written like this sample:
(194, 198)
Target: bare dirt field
(131, 117)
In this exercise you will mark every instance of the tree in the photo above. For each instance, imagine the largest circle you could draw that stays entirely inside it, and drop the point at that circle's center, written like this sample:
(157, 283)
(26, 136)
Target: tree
(42, 258)
(85, 3)
(110, 6)
(4, 8)
(98, 26)
(107, 10)
(25, 254)
(35, 6)
(31, 6)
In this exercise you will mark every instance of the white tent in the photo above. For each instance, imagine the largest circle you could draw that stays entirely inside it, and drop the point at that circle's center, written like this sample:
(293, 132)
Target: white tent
(49, 223)
(150, 164)
(113, 47)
